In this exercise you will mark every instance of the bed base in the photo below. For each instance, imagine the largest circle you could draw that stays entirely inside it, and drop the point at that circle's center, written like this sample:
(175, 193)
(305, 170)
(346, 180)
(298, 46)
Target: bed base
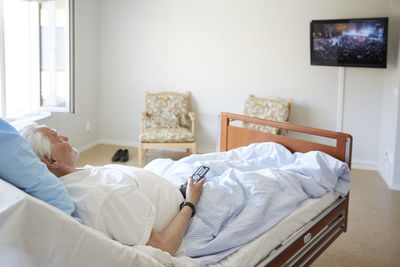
(304, 246)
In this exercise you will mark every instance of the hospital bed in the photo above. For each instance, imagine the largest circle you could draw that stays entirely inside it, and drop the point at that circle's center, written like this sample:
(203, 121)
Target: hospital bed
(308, 242)
(33, 233)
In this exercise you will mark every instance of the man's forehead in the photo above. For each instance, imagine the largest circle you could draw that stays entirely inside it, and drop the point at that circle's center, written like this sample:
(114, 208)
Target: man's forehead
(47, 130)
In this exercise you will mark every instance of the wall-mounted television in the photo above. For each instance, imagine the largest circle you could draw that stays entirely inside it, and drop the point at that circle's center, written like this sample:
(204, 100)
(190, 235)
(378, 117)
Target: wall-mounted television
(349, 42)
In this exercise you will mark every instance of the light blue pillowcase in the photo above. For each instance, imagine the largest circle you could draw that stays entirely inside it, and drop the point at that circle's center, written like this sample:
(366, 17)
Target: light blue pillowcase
(21, 167)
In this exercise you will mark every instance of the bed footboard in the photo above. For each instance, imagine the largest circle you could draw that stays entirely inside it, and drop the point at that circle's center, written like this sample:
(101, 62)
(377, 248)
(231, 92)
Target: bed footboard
(233, 136)
(306, 245)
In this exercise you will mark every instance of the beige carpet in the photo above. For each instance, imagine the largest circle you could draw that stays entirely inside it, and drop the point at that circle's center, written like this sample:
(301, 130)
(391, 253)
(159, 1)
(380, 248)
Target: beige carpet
(373, 237)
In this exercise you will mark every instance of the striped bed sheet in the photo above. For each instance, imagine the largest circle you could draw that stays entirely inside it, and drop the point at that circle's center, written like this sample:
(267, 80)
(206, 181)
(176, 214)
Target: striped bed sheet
(248, 191)
(258, 249)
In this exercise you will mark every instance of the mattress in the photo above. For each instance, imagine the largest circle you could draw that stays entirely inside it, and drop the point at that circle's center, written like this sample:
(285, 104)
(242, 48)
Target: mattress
(79, 245)
(253, 252)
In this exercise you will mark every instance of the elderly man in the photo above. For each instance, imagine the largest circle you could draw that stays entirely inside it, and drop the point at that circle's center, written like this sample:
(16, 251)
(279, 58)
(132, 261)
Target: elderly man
(128, 204)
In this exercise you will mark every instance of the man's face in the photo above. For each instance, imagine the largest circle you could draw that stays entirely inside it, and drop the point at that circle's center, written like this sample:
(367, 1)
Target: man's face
(61, 150)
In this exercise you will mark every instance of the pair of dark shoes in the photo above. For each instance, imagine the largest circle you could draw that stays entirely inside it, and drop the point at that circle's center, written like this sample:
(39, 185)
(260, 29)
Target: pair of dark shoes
(121, 155)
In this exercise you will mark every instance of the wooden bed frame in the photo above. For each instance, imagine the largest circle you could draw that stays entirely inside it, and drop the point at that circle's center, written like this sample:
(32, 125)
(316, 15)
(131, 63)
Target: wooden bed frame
(306, 245)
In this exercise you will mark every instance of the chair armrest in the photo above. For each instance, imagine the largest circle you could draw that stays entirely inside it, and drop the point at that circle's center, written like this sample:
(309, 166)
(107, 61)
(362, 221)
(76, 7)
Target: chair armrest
(192, 117)
(143, 117)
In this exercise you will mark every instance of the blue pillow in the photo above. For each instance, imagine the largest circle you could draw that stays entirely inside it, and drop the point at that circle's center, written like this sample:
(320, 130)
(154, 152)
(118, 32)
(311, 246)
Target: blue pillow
(21, 167)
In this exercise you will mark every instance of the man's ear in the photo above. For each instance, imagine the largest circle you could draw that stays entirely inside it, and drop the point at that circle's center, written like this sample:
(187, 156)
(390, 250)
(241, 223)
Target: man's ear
(50, 162)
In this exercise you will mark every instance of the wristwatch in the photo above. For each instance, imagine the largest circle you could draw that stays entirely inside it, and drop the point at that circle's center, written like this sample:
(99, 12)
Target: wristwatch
(189, 204)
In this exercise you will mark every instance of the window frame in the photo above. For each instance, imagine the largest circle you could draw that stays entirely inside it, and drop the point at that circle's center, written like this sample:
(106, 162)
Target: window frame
(42, 112)
(2, 66)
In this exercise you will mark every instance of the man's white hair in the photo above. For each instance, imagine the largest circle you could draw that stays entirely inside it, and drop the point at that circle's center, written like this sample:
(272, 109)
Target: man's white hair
(40, 143)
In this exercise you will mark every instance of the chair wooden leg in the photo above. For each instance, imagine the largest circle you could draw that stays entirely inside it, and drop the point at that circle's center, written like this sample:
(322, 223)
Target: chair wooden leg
(140, 156)
(194, 148)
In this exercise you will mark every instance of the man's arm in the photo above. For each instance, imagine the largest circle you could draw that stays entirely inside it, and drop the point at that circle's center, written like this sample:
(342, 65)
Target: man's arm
(170, 238)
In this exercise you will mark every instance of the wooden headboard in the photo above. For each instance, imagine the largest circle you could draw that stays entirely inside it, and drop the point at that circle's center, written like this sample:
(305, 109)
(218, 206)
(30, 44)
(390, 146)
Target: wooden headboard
(233, 136)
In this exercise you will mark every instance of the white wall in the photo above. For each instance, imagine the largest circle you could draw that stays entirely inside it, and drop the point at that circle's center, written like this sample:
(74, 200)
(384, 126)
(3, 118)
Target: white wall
(224, 50)
(389, 152)
(86, 79)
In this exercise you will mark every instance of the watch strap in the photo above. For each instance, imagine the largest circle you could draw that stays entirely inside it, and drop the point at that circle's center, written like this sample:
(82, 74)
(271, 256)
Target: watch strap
(189, 204)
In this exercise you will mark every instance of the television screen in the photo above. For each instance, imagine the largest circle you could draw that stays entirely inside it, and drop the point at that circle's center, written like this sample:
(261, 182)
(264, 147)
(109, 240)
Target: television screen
(349, 42)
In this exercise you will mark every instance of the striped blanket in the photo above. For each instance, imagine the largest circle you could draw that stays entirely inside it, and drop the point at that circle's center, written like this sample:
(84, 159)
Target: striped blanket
(248, 190)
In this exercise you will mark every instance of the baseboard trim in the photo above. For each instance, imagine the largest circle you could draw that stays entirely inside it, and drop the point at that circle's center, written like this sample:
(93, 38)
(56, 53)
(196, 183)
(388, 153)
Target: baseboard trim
(88, 146)
(395, 187)
(117, 142)
(128, 143)
(374, 166)
(366, 165)
(382, 172)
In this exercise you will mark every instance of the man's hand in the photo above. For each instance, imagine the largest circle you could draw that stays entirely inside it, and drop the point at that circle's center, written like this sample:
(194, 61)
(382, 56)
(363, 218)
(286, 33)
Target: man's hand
(193, 191)
(170, 238)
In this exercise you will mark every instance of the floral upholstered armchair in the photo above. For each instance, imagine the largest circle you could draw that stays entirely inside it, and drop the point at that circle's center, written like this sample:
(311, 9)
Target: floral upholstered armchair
(167, 123)
(270, 108)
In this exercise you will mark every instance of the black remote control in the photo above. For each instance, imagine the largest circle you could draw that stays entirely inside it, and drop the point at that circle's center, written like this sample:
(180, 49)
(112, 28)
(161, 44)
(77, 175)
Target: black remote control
(197, 176)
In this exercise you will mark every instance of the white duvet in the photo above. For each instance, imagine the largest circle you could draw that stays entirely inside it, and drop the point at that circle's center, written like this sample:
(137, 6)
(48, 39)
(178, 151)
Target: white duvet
(249, 190)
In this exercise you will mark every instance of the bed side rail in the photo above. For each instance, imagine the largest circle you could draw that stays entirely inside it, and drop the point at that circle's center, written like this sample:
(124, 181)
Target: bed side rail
(306, 245)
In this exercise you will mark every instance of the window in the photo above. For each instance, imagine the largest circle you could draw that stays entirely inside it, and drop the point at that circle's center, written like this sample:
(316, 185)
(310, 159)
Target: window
(36, 52)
